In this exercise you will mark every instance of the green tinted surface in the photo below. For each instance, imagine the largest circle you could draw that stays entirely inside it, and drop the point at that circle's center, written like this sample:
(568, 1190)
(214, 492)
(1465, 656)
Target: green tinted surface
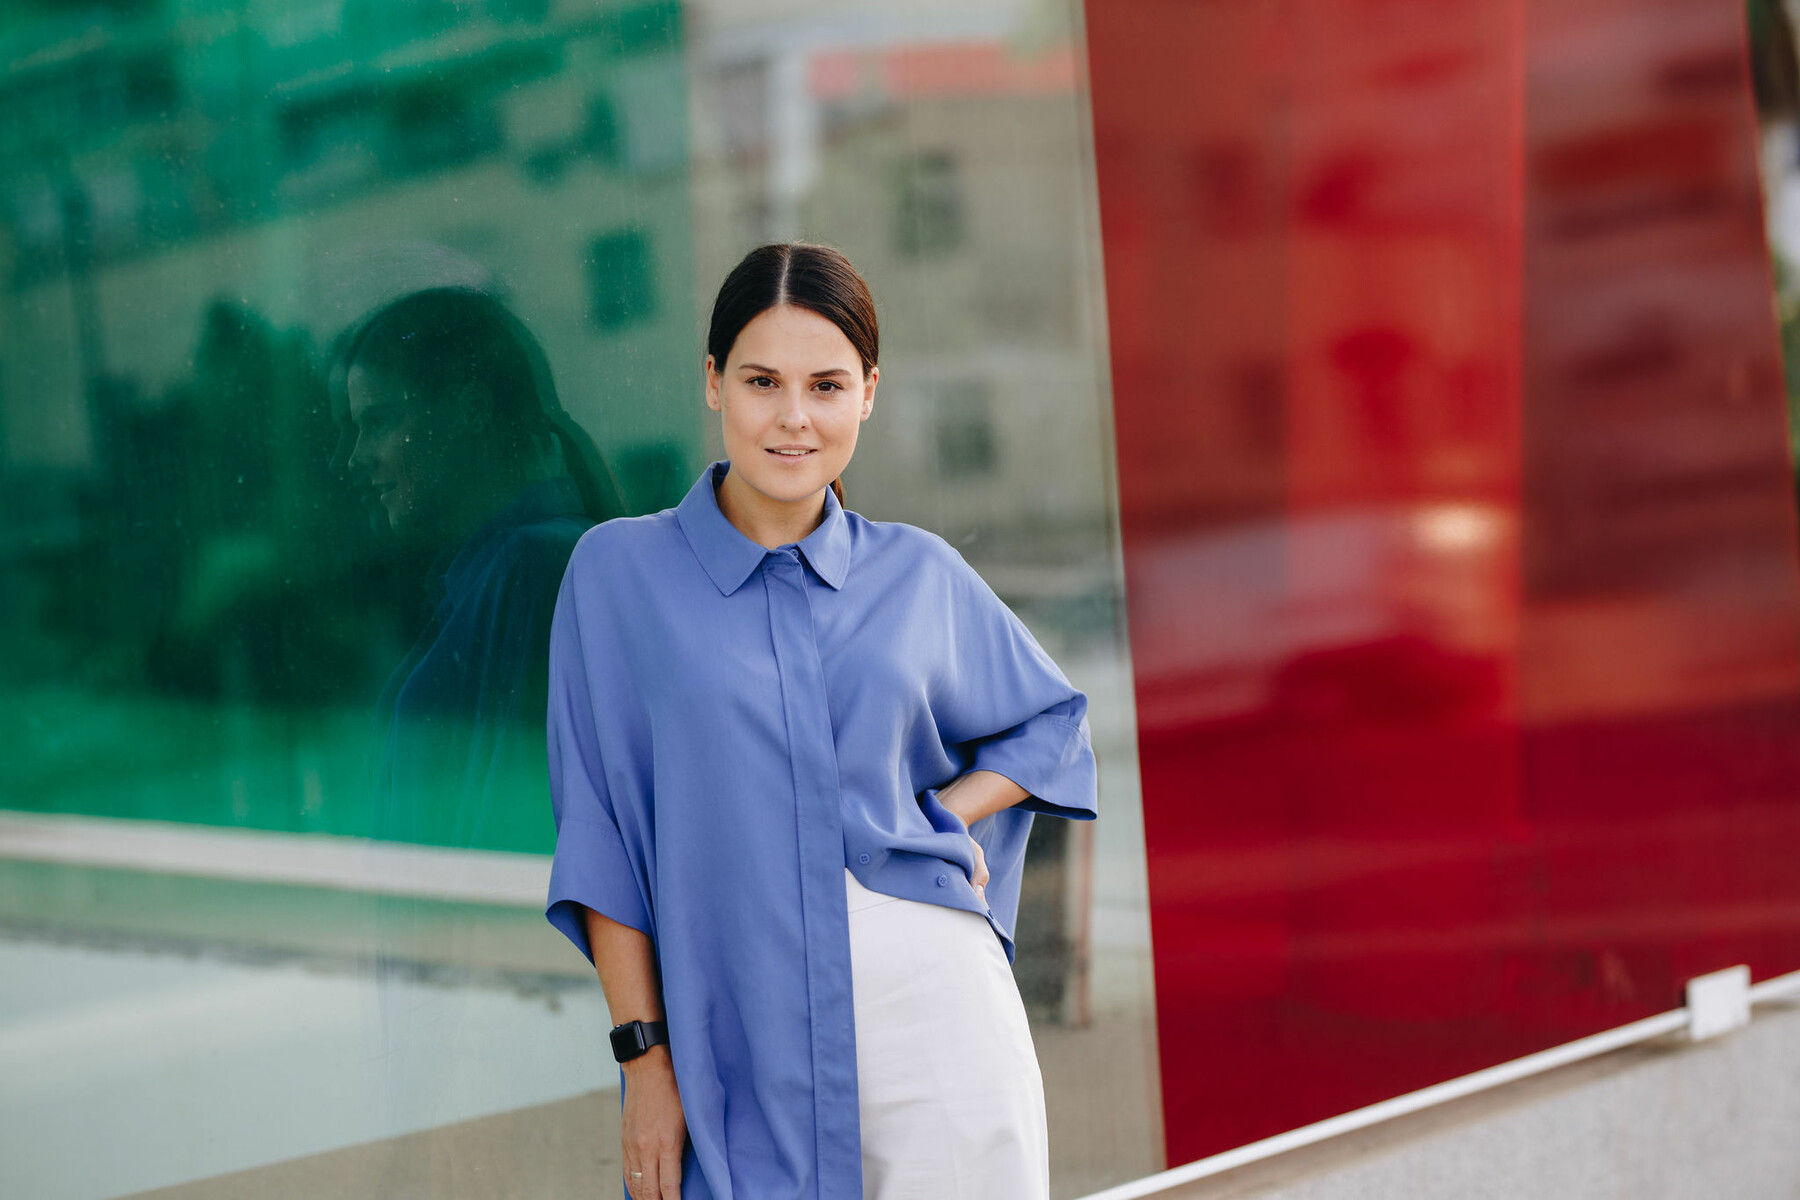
(291, 771)
(196, 616)
(139, 755)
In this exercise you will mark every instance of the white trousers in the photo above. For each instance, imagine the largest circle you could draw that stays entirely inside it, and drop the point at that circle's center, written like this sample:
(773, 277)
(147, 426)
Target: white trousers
(952, 1102)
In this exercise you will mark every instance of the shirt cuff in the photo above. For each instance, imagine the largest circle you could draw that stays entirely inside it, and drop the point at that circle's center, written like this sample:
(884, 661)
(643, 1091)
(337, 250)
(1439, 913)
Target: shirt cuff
(592, 870)
(1049, 757)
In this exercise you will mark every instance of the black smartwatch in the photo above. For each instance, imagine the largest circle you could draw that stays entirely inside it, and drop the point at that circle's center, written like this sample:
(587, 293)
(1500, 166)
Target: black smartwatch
(634, 1038)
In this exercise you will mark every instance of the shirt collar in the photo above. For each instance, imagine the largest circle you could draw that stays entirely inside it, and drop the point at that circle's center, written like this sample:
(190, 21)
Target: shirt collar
(729, 557)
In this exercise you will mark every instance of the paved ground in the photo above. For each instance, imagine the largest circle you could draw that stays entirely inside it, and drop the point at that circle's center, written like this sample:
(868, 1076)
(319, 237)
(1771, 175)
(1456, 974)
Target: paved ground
(569, 1148)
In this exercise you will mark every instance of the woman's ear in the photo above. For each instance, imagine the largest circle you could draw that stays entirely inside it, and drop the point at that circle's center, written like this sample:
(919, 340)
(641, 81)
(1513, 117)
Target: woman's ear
(868, 404)
(712, 385)
(471, 411)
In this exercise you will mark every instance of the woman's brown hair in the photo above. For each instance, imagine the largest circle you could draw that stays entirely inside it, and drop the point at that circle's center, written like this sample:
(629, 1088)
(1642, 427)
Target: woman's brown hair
(816, 278)
(434, 340)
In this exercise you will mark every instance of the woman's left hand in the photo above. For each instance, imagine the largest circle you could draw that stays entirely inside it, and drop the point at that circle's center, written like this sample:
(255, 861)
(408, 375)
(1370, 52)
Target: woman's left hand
(978, 873)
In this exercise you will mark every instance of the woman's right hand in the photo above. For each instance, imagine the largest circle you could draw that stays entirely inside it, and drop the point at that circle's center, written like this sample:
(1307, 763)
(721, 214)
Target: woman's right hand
(653, 1133)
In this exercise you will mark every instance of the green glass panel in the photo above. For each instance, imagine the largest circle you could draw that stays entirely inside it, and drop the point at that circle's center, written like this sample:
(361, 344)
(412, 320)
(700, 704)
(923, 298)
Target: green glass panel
(201, 620)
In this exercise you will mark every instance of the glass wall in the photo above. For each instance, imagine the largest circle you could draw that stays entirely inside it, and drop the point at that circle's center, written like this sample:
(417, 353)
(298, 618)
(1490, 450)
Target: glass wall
(1459, 526)
(273, 821)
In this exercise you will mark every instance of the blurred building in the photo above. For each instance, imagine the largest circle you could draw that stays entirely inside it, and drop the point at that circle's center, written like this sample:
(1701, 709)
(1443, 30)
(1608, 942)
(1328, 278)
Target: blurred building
(261, 154)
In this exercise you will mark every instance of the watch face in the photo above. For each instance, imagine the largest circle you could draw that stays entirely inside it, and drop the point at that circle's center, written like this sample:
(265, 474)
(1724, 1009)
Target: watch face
(628, 1041)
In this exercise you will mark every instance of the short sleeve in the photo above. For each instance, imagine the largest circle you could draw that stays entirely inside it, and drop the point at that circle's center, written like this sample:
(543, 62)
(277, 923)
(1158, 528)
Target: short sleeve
(593, 867)
(1013, 707)
(1050, 757)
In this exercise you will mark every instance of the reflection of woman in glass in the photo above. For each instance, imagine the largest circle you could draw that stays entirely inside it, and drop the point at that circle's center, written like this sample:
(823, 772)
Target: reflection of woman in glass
(788, 746)
(461, 445)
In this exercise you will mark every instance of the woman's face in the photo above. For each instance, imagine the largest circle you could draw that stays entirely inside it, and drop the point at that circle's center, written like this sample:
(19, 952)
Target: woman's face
(400, 454)
(791, 395)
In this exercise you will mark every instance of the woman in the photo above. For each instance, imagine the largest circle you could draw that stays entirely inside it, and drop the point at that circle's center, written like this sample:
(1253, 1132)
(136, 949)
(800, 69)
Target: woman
(794, 756)
(456, 441)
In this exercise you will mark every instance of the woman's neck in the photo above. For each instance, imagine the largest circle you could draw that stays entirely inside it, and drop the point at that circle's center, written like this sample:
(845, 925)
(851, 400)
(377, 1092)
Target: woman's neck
(488, 490)
(769, 523)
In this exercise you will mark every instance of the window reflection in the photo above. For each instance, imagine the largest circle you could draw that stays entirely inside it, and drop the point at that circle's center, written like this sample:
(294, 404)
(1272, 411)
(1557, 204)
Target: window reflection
(456, 445)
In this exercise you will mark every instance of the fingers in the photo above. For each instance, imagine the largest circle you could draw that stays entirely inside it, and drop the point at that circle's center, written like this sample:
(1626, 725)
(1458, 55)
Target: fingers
(653, 1167)
(979, 876)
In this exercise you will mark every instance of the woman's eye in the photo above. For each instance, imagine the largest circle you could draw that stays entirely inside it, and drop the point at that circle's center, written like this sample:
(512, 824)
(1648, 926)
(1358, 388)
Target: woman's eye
(762, 381)
(829, 386)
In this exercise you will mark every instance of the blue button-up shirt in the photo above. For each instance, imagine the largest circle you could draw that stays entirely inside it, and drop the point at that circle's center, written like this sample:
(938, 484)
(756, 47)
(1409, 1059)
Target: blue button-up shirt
(730, 727)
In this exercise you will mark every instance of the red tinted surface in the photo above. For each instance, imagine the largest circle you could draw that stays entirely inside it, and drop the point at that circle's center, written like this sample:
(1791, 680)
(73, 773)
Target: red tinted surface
(1459, 535)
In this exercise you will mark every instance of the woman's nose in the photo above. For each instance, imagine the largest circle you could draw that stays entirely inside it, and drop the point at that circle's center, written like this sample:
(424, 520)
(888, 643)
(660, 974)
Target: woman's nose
(793, 413)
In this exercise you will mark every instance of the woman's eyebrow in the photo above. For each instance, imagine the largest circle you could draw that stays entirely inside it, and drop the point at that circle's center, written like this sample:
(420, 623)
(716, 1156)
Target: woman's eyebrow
(762, 370)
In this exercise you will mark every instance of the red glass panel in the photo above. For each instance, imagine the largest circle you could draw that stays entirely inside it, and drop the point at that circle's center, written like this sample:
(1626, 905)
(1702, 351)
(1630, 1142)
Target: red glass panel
(1458, 529)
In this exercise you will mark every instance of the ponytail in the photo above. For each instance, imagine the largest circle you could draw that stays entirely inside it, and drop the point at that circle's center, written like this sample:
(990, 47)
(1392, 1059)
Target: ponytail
(601, 497)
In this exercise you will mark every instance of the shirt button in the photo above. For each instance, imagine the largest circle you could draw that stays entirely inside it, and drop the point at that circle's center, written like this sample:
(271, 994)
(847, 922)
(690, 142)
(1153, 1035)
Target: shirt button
(862, 858)
(943, 881)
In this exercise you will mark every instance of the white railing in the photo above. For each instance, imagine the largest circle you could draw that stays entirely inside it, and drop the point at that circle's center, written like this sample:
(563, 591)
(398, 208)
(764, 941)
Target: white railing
(1717, 1003)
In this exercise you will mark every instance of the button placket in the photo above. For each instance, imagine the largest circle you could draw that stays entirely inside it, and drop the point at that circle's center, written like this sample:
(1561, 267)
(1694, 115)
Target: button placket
(812, 754)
